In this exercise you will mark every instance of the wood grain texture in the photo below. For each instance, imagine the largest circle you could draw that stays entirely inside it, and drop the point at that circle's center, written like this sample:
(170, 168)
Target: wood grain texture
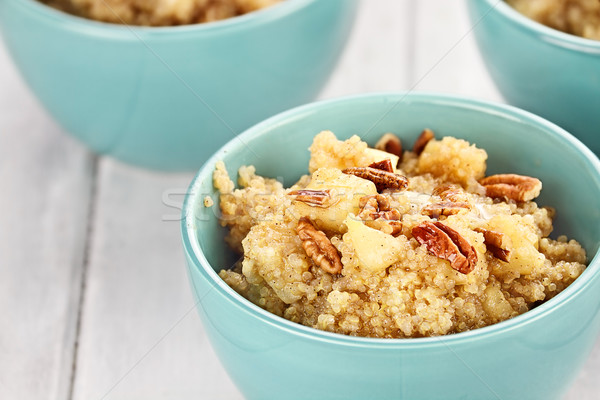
(446, 56)
(45, 181)
(140, 335)
(378, 55)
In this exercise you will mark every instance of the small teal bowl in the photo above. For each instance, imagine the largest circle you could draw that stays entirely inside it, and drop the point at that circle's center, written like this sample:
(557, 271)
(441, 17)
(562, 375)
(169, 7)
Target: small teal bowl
(540, 69)
(169, 97)
(533, 356)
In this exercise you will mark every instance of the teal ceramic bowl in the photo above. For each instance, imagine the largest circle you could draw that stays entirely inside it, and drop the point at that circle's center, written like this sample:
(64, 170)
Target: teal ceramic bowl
(540, 69)
(533, 356)
(169, 97)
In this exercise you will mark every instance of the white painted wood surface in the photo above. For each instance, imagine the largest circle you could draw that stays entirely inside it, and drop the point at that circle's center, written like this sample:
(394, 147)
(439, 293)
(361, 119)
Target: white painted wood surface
(45, 181)
(94, 300)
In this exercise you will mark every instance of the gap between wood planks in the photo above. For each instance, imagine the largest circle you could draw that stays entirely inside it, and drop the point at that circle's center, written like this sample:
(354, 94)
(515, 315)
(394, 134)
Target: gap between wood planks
(95, 187)
(91, 218)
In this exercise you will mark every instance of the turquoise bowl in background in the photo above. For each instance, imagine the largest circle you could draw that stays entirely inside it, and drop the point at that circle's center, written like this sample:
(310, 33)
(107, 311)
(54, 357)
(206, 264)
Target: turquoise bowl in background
(169, 97)
(548, 72)
(533, 356)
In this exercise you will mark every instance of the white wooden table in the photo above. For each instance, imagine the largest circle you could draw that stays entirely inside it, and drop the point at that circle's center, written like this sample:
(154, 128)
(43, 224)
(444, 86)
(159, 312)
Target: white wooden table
(94, 299)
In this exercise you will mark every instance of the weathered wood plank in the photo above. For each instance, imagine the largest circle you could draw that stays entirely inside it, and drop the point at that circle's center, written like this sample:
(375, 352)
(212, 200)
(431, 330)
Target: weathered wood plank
(446, 56)
(378, 55)
(45, 179)
(140, 336)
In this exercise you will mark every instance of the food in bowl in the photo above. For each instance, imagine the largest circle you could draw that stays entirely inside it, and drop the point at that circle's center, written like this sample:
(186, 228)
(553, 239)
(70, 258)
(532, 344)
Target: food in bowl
(391, 244)
(577, 17)
(159, 12)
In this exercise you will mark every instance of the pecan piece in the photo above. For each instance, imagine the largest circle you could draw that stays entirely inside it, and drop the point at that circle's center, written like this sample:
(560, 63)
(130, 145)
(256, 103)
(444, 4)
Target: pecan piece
(396, 228)
(390, 215)
(389, 227)
(377, 206)
(390, 143)
(384, 165)
(377, 213)
(381, 179)
(444, 242)
(424, 138)
(369, 207)
(378, 202)
(312, 197)
(446, 208)
(512, 187)
(496, 243)
(452, 193)
(318, 247)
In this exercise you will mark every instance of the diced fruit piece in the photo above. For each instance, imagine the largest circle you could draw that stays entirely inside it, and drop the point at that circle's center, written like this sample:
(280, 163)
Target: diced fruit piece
(345, 192)
(524, 257)
(374, 155)
(374, 249)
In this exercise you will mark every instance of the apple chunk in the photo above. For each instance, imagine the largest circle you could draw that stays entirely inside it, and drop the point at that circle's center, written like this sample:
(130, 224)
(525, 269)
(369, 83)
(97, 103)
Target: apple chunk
(345, 192)
(524, 258)
(374, 249)
(374, 155)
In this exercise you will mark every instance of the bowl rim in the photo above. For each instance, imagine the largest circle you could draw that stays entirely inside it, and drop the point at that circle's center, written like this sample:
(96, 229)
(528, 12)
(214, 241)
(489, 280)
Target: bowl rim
(551, 35)
(247, 20)
(195, 254)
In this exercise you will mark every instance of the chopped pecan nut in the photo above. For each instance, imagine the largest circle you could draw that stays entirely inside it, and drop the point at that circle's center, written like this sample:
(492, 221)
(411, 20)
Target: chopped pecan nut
(378, 202)
(396, 227)
(312, 197)
(389, 227)
(390, 143)
(496, 243)
(381, 179)
(463, 245)
(424, 138)
(377, 206)
(390, 215)
(318, 247)
(512, 187)
(384, 165)
(452, 193)
(369, 207)
(445, 208)
(444, 242)
(376, 212)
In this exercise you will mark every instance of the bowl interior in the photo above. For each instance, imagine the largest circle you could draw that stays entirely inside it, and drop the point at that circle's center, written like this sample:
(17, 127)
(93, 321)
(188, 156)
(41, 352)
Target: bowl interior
(516, 142)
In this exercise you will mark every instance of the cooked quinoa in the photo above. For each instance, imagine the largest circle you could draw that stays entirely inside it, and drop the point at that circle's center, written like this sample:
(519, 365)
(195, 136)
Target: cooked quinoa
(159, 12)
(577, 17)
(390, 285)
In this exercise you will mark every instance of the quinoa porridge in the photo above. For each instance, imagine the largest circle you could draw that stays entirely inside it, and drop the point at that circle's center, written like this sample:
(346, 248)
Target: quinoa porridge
(578, 17)
(159, 12)
(391, 244)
